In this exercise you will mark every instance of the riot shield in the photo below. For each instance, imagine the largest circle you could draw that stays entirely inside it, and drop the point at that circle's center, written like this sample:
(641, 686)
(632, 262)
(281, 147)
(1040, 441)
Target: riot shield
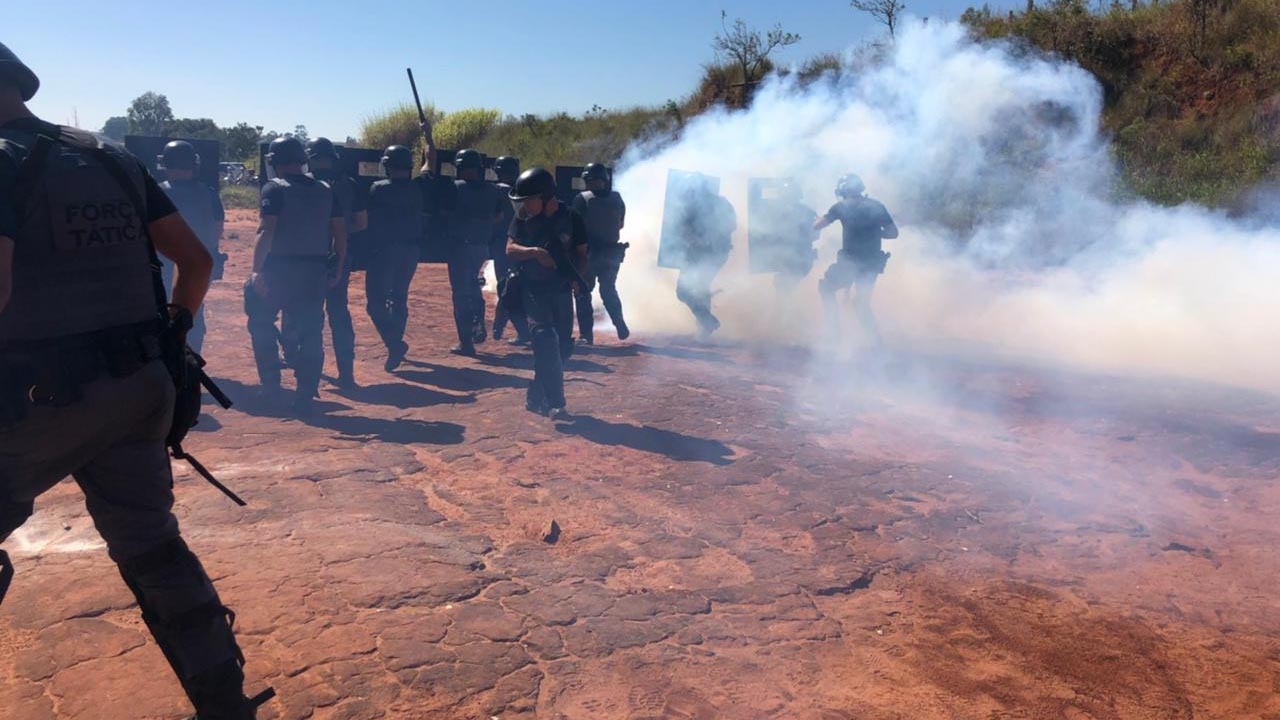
(442, 197)
(364, 165)
(780, 234)
(568, 183)
(149, 149)
(685, 203)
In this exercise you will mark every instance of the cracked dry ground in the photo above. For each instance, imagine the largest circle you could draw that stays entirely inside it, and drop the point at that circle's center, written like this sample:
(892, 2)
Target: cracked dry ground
(734, 543)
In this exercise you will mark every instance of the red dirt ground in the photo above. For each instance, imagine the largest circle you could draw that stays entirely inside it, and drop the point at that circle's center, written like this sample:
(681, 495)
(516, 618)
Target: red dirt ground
(997, 542)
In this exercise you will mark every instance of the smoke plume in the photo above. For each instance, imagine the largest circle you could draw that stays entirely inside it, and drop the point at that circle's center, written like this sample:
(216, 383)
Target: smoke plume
(1015, 240)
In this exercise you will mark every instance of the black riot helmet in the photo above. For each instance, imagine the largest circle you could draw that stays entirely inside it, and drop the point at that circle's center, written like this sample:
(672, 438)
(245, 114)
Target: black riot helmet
(397, 157)
(596, 176)
(13, 70)
(507, 169)
(321, 147)
(286, 151)
(849, 186)
(470, 164)
(180, 155)
(534, 182)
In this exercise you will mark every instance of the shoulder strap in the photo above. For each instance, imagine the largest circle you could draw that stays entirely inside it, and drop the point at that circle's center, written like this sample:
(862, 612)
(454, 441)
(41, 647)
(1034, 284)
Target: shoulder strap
(30, 172)
(116, 169)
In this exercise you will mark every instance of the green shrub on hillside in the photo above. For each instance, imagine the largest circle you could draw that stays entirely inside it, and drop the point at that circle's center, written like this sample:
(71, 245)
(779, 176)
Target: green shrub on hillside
(1184, 101)
(397, 126)
(464, 128)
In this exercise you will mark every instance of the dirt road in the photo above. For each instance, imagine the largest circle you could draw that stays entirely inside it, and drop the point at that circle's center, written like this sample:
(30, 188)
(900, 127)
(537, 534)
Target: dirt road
(734, 542)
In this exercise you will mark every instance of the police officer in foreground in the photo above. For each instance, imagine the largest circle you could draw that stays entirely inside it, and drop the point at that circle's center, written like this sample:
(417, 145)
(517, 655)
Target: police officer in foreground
(707, 224)
(300, 226)
(507, 169)
(476, 209)
(861, 260)
(201, 208)
(604, 214)
(396, 207)
(322, 160)
(83, 391)
(547, 241)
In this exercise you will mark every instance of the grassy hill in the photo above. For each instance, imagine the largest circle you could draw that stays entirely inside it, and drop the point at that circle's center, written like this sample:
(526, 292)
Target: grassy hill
(1192, 93)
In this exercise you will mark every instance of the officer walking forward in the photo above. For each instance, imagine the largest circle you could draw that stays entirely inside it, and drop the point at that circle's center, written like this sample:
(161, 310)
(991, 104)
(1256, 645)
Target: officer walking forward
(321, 161)
(301, 225)
(396, 207)
(83, 391)
(708, 225)
(201, 208)
(477, 208)
(507, 169)
(604, 214)
(545, 240)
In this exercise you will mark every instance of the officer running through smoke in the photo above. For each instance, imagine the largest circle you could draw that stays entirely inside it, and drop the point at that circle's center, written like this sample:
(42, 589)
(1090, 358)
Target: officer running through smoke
(83, 389)
(706, 223)
(865, 223)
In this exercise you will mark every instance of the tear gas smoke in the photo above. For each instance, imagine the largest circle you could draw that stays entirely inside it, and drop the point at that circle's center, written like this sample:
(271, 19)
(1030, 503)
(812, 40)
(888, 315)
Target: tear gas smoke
(1014, 239)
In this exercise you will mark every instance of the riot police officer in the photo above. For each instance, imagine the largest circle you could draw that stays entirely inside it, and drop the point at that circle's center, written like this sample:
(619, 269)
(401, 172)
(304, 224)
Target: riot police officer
(604, 215)
(322, 160)
(707, 224)
(507, 169)
(861, 259)
(83, 391)
(201, 207)
(792, 220)
(300, 225)
(546, 241)
(396, 207)
(477, 208)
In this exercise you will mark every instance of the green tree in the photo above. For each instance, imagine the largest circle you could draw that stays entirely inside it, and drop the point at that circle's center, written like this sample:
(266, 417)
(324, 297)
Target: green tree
(116, 127)
(300, 132)
(196, 129)
(242, 141)
(149, 114)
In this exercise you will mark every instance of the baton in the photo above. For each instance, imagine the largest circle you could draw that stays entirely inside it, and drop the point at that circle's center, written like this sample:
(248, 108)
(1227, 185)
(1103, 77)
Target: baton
(417, 101)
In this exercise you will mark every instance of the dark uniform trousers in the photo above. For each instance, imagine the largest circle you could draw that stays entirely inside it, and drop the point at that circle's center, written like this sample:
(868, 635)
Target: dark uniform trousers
(465, 261)
(501, 316)
(693, 288)
(391, 270)
(296, 290)
(860, 272)
(605, 262)
(550, 315)
(112, 441)
(340, 325)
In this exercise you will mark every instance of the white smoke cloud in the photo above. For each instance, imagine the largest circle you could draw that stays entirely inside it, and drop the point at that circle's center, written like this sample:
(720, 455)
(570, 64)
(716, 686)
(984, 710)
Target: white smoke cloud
(1014, 241)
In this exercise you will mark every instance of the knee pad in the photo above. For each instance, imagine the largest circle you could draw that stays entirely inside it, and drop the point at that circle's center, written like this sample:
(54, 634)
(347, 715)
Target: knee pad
(181, 608)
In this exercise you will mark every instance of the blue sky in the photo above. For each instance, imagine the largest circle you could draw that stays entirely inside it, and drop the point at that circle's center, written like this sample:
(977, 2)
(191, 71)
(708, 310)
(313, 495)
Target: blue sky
(327, 64)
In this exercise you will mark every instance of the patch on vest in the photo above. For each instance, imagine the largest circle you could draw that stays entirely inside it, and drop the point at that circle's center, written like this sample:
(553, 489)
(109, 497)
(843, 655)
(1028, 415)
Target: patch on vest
(89, 213)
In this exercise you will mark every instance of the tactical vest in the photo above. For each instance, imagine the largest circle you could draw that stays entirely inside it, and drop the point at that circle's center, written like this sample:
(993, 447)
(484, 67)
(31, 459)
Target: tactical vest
(196, 205)
(304, 227)
(861, 220)
(344, 190)
(81, 261)
(473, 213)
(396, 212)
(602, 214)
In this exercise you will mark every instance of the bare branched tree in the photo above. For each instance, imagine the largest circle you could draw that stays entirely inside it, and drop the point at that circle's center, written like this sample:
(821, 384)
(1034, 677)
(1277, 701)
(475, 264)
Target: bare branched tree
(749, 49)
(884, 11)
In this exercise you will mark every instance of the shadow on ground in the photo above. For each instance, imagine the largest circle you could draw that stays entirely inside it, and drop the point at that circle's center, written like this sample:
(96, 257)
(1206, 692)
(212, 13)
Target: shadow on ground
(674, 445)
